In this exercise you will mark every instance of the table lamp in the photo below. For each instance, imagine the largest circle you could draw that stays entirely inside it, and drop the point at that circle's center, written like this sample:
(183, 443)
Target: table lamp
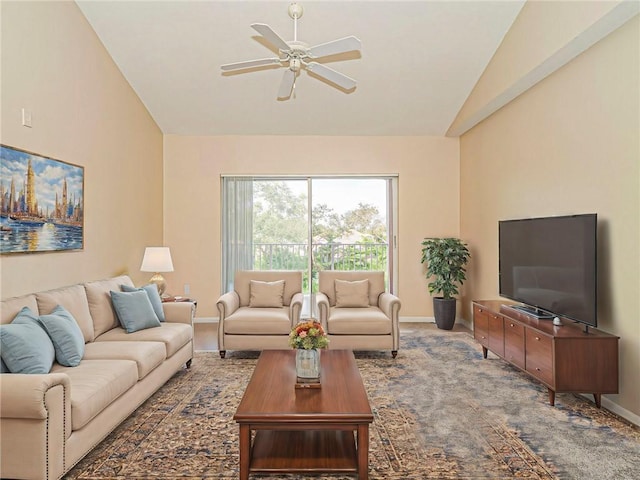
(157, 259)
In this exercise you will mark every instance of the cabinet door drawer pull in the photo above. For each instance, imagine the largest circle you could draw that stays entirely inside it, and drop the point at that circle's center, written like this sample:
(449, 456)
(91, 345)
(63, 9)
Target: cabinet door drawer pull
(512, 325)
(538, 370)
(538, 338)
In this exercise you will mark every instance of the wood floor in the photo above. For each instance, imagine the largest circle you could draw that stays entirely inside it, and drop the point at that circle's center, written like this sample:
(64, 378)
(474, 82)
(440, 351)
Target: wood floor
(206, 334)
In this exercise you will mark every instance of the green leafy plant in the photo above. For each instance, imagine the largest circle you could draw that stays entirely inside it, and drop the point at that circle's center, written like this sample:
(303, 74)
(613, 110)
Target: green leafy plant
(446, 259)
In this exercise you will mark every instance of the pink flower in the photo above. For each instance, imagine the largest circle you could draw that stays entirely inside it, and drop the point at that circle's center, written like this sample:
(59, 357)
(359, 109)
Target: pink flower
(302, 334)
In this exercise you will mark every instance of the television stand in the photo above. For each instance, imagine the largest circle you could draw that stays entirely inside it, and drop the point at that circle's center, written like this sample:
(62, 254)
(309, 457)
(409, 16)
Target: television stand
(564, 359)
(534, 312)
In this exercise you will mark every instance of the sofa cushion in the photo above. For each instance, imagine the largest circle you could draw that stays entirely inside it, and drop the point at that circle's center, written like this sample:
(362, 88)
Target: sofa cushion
(173, 335)
(134, 310)
(65, 334)
(74, 300)
(358, 321)
(266, 321)
(352, 294)
(25, 346)
(147, 355)
(154, 297)
(102, 312)
(266, 294)
(10, 307)
(95, 384)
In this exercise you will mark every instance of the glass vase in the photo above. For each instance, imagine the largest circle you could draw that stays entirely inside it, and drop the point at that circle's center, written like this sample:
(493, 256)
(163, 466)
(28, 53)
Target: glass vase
(308, 365)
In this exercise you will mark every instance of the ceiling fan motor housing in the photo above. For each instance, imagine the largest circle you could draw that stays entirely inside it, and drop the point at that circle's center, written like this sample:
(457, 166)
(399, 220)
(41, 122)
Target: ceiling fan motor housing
(295, 10)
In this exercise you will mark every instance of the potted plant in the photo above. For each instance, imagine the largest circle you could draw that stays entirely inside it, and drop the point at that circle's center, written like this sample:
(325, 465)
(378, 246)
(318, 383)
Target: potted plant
(446, 259)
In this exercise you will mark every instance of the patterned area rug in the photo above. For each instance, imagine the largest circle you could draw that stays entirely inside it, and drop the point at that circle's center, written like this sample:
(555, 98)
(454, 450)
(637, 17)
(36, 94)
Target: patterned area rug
(440, 409)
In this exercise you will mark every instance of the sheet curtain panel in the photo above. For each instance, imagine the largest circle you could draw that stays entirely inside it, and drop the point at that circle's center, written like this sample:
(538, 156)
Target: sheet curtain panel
(237, 228)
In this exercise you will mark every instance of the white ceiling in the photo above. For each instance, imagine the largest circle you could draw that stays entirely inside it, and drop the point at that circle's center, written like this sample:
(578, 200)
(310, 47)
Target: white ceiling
(419, 62)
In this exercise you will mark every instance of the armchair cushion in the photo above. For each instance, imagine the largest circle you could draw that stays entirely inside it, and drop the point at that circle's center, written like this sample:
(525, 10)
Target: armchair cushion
(266, 294)
(359, 321)
(352, 294)
(266, 321)
(327, 278)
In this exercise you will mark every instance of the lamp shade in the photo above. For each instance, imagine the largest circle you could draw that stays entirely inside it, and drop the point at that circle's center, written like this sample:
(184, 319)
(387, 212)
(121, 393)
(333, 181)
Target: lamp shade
(157, 259)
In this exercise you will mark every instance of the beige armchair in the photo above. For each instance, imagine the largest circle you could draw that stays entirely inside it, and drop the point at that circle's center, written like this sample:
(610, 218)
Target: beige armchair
(261, 311)
(356, 311)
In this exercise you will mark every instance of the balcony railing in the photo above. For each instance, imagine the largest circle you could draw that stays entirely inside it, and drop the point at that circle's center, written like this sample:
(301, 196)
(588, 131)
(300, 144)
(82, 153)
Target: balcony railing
(326, 256)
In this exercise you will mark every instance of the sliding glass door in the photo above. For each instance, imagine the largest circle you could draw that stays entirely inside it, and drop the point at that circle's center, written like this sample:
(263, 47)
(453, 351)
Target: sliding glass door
(308, 224)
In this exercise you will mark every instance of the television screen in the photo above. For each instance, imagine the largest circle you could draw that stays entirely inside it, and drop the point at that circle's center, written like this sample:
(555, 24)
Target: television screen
(550, 264)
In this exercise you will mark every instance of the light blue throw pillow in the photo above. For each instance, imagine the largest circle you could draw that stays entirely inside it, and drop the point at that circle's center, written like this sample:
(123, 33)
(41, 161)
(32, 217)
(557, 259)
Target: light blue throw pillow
(134, 310)
(154, 297)
(25, 347)
(66, 336)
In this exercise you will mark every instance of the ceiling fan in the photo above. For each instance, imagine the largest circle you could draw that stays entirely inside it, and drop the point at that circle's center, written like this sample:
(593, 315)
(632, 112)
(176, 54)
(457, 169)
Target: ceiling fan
(296, 55)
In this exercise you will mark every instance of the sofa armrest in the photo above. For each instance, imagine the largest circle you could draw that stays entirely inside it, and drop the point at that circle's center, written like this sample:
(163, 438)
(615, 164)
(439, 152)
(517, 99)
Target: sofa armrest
(179, 312)
(22, 395)
(322, 302)
(295, 308)
(390, 305)
(35, 422)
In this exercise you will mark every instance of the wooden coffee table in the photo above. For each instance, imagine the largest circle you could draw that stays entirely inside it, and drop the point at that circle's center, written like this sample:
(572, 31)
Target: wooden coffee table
(308, 430)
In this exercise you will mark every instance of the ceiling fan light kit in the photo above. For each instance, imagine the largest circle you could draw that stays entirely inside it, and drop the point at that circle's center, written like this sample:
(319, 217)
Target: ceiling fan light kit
(296, 56)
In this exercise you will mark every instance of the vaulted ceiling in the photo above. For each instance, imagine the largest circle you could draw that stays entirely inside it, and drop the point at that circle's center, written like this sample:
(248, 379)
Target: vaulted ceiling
(419, 62)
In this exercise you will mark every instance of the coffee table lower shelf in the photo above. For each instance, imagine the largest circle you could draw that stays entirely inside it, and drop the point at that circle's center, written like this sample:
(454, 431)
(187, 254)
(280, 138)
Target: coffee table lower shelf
(304, 451)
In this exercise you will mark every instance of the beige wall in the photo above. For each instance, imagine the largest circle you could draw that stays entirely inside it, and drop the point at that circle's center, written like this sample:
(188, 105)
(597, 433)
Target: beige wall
(85, 113)
(568, 145)
(428, 172)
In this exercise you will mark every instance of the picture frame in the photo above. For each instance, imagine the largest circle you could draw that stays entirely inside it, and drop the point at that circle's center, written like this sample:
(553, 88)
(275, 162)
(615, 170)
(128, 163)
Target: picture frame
(41, 203)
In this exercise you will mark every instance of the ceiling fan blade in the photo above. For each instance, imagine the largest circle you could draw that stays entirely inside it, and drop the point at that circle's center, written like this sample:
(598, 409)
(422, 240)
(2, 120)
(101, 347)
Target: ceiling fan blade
(269, 34)
(342, 45)
(250, 63)
(330, 74)
(286, 87)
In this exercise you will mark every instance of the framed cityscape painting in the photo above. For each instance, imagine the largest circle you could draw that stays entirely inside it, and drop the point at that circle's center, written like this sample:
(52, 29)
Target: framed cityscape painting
(41, 203)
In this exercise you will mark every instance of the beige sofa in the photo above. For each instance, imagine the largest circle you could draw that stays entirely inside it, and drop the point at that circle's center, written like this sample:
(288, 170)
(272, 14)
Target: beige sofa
(356, 311)
(247, 325)
(50, 421)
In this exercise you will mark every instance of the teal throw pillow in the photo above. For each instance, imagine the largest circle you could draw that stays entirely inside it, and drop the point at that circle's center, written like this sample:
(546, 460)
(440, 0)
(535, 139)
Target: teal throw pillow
(25, 347)
(154, 297)
(134, 310)
(66, 336)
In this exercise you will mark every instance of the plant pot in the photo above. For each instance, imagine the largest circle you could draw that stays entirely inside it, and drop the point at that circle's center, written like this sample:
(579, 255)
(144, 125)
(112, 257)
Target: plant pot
(444, 310)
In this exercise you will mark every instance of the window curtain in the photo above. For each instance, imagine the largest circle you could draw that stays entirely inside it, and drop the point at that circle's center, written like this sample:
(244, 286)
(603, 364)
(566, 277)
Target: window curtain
(237, 228)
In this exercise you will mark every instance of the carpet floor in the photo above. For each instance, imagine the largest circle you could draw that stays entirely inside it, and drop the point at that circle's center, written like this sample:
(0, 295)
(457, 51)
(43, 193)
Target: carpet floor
(440, 411)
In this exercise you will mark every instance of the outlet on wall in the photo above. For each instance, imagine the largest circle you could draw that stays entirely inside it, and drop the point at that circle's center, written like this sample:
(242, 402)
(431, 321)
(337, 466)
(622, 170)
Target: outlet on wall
(187, 289)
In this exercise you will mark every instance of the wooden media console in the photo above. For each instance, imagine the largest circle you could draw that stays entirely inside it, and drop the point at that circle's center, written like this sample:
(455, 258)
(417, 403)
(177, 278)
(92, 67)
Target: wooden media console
(564, 358)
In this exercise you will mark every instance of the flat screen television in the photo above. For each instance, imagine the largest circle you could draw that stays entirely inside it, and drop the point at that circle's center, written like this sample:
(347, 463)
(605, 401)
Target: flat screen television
(549, 264)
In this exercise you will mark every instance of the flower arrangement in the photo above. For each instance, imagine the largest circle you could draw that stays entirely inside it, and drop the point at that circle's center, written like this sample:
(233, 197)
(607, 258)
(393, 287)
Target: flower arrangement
(308, 335)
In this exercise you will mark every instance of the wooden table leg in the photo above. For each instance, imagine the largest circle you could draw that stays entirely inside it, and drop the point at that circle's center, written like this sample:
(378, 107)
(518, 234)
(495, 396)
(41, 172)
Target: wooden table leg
(552, 397)
(363, 451)
(245, 451)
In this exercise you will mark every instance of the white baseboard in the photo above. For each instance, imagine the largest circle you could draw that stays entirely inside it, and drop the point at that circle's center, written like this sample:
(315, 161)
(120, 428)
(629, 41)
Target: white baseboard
(615, 408)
